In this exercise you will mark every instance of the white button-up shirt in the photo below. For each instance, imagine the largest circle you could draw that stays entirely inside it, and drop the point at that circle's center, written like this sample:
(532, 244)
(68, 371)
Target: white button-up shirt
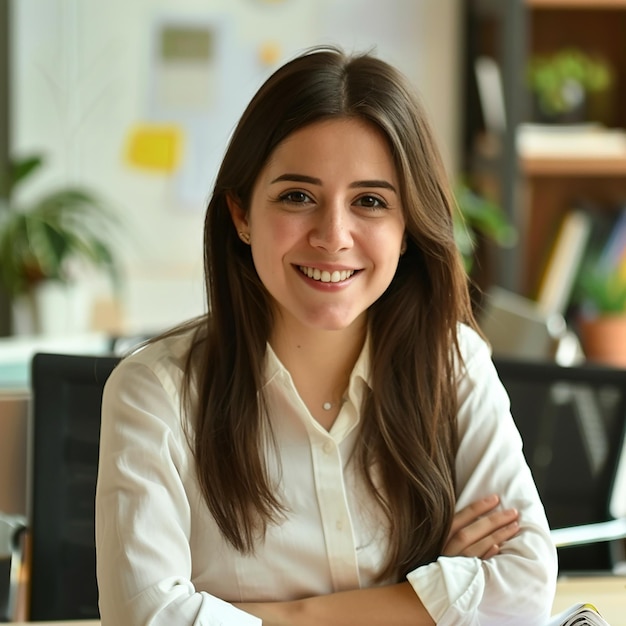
(161, 559)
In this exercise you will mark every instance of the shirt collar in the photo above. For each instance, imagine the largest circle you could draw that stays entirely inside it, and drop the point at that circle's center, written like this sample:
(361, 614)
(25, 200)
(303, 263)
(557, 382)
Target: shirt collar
(360, 372)
(349, 415)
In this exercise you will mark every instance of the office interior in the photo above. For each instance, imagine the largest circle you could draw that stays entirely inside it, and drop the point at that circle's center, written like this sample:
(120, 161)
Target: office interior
(115, 100)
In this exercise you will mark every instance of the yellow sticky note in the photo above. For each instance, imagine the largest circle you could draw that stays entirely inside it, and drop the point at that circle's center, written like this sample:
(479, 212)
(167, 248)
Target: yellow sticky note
(155, 147)
(269, 52)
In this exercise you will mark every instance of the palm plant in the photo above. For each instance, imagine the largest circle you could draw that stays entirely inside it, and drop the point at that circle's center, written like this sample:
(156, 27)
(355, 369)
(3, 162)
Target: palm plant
(42, 240)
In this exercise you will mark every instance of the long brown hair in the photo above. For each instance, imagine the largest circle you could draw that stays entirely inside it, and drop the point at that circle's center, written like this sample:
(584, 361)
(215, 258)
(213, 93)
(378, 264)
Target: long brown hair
(409, 417)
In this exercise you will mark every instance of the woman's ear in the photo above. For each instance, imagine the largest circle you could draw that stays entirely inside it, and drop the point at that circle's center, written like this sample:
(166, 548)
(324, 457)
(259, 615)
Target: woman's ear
(237, 214)
(404, 245)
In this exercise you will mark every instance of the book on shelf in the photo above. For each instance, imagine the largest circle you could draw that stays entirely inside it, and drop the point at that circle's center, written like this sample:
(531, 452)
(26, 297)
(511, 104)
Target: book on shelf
(612, 255)
(564, 262)
(490, 94)
(583, 614)
(589, 234)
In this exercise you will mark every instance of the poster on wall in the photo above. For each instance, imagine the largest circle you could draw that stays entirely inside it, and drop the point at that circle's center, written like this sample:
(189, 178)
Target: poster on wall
(199, 80)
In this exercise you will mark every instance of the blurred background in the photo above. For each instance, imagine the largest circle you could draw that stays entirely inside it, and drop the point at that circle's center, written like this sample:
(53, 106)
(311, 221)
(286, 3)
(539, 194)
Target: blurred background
(132, 104)
(114, 118)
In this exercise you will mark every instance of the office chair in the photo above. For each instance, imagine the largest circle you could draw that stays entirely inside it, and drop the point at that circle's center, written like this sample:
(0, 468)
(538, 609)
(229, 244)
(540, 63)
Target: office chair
(66, 403)
(572, 422)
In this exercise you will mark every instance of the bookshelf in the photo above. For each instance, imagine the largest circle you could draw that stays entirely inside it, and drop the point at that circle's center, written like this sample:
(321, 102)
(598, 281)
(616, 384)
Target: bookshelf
(537, 189)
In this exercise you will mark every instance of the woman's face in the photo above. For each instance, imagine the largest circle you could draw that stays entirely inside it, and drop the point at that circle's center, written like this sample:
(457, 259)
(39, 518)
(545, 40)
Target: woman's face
(326, 224)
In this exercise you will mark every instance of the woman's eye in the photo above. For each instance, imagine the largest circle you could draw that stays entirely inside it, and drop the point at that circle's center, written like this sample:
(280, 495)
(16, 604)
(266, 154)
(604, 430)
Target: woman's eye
(371, 202)
(295, 197)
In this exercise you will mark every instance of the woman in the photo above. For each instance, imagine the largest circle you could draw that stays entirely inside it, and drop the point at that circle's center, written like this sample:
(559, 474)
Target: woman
(298, 454)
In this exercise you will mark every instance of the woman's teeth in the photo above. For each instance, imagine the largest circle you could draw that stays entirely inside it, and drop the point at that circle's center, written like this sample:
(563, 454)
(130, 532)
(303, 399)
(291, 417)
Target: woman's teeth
(325, 276)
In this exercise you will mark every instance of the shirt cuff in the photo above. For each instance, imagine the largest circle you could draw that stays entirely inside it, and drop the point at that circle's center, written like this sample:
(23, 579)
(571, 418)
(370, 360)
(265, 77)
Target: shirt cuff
(225, 614)
(449, 588)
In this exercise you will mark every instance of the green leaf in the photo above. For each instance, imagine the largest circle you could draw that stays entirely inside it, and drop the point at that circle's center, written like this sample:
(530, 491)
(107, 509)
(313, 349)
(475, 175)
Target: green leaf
(23, 168)
(601, 290)
(18, 171)
(40, 240)
(477, 215)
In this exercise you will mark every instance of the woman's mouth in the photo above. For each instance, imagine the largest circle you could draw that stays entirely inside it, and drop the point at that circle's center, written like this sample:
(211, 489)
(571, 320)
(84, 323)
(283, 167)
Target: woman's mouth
(325, 276)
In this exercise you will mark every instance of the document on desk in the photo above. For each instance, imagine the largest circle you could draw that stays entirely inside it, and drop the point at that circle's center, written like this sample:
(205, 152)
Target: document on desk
(579, 615)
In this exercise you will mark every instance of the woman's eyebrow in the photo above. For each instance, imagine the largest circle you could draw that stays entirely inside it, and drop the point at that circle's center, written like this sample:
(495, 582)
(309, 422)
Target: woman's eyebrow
(303, 178)
(297, 178)
(384, 184)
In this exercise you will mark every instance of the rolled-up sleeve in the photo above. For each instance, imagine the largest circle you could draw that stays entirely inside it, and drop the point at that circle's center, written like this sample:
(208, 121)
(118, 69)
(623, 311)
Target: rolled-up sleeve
(517, 586)
(143, 518)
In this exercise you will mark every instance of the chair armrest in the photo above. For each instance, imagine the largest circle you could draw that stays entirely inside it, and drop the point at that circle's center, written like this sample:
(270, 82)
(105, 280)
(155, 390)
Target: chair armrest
(589, 533)
(12, 528)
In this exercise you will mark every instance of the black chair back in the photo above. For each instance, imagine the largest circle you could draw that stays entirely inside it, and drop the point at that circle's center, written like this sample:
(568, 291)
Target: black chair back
(572, 422)
(66, 404)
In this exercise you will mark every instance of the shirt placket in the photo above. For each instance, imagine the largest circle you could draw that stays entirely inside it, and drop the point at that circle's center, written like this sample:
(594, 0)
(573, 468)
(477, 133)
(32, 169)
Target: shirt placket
(334, 511)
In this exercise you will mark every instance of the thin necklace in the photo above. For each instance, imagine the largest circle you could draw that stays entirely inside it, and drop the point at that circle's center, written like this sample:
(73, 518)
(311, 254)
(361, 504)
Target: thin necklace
(327, 406)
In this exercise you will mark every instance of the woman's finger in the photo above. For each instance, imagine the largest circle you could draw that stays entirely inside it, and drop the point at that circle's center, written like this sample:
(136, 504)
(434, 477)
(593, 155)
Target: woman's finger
(472, 512)
(484, 536)
(490, 546)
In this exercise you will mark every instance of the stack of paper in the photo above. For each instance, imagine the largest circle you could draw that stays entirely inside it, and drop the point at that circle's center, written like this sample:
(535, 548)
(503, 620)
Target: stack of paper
(578, 615)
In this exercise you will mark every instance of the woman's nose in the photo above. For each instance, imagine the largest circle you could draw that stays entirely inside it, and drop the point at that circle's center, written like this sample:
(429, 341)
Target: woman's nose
(332, 229)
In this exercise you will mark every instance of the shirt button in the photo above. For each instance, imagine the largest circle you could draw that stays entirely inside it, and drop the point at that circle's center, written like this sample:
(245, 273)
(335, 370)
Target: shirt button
(339, 525)
(327, 447)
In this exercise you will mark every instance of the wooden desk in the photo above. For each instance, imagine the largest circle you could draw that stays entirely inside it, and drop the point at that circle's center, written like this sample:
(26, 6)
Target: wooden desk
(608, 594)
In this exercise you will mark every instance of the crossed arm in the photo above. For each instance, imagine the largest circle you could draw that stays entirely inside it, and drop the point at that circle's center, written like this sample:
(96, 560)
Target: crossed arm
(477, 531)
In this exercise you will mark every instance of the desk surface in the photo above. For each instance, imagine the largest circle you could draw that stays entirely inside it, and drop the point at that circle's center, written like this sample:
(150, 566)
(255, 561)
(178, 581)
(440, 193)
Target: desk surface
(607, 593)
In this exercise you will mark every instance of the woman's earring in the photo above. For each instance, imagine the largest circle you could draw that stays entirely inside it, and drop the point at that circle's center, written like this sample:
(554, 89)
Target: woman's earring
(245, 237)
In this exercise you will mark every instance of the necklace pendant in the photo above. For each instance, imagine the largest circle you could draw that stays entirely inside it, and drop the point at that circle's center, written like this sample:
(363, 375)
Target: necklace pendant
(327, 406)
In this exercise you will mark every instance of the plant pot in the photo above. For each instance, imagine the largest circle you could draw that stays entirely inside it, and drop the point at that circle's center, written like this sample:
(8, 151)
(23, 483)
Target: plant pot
(576, 114)
(51, 308)
(604, 339)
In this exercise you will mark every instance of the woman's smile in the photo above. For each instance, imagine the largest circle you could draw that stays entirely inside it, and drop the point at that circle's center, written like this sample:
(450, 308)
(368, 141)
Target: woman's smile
(326, 276)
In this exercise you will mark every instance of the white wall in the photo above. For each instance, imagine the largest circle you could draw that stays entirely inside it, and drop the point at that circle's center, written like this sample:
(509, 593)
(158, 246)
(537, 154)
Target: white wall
(81, 81)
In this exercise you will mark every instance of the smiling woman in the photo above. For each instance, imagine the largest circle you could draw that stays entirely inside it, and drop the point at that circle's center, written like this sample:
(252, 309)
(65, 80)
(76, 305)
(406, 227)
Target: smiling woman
(330, 443)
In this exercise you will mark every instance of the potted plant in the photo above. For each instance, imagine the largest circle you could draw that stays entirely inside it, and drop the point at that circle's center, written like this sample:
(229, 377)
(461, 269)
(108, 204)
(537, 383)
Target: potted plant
(43, 243)
(601, 317)
(569, 86)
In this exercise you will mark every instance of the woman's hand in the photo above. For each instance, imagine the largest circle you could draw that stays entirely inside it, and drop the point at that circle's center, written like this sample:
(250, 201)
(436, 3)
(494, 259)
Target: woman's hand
(479, 530)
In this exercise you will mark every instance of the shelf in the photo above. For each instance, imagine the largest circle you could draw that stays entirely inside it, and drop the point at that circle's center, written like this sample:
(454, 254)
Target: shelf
(577, 150)
(498, 7)
(574, 166)
(576, 4)
(536, 173)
